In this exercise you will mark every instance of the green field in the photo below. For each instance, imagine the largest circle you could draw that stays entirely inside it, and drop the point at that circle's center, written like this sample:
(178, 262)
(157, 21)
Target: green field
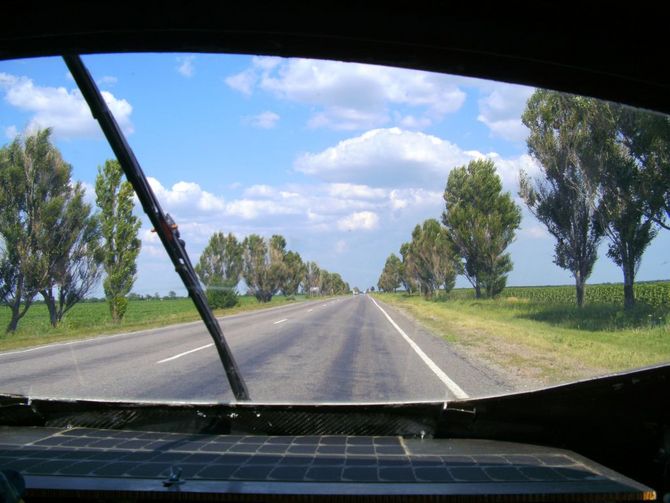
(92, 318)
(542, 341)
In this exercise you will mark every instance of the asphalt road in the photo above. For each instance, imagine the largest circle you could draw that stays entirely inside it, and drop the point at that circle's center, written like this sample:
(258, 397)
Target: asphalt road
(339, 350)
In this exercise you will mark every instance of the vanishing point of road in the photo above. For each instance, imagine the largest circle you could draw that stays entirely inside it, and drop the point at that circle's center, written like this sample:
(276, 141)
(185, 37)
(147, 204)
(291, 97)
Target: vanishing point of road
(346, 349)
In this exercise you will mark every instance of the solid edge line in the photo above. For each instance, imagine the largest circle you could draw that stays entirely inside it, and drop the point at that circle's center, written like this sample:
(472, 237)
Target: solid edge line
(451, 385)
(185, 353)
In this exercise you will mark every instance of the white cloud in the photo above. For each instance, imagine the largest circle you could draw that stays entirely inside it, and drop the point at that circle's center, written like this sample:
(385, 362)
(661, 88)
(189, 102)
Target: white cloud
(243, 82)
(363, 220)
(259, 190)
(400, 199)
(264, 120)
(250, 209)
(402, 159)
(387, 157)
(63, 110)
(502, 108)
(11, 132)
(351, 96)
(508, 169)
(411, 122)
(535, 231)
(350, 190)
(108, 80)
(186, 196)
(186, 67)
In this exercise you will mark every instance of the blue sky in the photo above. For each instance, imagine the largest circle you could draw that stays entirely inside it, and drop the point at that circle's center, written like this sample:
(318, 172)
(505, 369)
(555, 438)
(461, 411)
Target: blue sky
(342, 159)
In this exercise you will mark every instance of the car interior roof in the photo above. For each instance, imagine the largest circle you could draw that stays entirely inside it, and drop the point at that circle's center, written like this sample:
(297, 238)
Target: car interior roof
(601, 50)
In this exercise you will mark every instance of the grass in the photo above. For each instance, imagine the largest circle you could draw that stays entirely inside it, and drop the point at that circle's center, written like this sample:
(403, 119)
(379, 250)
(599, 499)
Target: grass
(545, 342)
(92, 318)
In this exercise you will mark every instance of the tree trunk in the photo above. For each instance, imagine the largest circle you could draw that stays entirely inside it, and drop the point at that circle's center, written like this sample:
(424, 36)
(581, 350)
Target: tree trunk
(478, 291)
(579, 285)
(17, 314)
(51, 306)
(628, 291)
(14, 320)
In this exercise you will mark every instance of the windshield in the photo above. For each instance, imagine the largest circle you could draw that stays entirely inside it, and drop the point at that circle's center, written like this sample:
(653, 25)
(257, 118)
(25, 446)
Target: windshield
(361, 233)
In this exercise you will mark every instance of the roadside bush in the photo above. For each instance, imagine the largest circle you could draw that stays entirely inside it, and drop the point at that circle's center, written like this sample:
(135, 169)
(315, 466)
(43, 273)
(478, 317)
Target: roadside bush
(220, 297)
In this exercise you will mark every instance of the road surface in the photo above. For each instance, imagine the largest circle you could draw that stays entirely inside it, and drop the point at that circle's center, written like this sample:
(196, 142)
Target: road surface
(347, 349)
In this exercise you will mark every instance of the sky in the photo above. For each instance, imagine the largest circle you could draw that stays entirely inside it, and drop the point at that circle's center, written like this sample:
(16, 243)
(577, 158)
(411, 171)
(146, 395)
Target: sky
(341, 159)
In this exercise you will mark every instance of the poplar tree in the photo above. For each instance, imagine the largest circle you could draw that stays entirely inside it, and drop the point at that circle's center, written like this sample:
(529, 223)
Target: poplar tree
(119, 228)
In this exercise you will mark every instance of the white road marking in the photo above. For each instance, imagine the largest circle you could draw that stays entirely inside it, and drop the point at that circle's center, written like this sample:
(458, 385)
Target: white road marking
(310, 310)
(280, 321)
(451, 385)
(186, 353)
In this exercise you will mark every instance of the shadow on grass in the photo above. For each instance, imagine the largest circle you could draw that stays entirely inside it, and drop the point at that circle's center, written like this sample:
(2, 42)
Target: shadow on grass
(595, 317)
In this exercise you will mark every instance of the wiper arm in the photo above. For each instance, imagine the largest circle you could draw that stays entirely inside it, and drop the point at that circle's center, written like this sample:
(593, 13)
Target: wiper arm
(163, 224)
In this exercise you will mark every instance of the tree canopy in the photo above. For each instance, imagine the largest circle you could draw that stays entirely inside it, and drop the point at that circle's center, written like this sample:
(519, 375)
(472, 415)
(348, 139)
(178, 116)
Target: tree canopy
(120, 228)
(481, 222)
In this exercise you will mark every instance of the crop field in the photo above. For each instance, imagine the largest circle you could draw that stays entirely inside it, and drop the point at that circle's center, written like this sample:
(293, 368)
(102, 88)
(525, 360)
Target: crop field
(653, 294)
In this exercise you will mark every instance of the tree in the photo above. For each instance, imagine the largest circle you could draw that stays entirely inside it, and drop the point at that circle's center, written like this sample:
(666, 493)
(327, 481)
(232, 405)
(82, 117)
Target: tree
(389, 280)
(294, 273)
(312, 279)
(564, 199)
(432, 259)
(221, 261)
(625, 214)
(407, 274)
(635, 180)
(646, 136)
(75, 259)
(481, 222)
(220, 268)
(49, 238)
(119, 232)
(263, 265)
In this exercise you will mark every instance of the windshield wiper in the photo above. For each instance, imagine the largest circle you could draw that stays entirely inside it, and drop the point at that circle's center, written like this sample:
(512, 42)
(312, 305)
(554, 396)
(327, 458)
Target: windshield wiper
(162, 222)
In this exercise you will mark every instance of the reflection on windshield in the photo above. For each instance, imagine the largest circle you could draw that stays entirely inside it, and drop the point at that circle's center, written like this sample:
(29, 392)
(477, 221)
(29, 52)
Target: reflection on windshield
(361, 233)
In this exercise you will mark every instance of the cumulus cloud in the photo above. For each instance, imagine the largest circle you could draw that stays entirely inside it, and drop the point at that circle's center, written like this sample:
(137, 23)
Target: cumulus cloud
(186, 67)
(501, 111)
(387, 157)
(250, 209)
(186, 196)
(59, 108)
(362, 220)
(400, 199)
(264, 120)
(401, 159)
(349, 96)
(350, 190)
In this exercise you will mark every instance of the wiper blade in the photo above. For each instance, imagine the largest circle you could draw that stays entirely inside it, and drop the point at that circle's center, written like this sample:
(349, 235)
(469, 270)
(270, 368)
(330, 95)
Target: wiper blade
(162, 222)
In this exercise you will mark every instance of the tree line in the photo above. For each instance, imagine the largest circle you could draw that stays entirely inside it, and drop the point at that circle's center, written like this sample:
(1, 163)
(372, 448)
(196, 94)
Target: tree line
(604, 173)
(265, 265)
(478, 224)
(52, 244)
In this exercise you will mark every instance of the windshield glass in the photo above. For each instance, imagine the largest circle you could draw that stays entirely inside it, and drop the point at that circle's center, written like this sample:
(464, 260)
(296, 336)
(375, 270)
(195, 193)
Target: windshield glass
(362, 233)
